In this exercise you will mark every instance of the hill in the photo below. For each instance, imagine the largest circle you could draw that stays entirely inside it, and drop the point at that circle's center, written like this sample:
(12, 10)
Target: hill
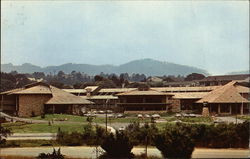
(148, 67)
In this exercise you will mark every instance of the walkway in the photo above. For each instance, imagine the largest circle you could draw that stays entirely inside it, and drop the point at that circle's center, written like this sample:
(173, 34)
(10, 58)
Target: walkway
(89, 152)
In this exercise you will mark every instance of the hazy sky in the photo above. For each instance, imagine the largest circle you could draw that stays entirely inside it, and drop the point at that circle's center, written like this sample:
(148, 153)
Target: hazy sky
(209, 35)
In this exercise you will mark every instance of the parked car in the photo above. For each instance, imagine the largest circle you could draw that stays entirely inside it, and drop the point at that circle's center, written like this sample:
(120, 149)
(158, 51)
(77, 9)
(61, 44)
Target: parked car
(139, 116)
(147, 116)
(178, 115)
(156, 116)
(101, 112)
(120, 116)
(109, 111)
(111, 116)
(121, 128)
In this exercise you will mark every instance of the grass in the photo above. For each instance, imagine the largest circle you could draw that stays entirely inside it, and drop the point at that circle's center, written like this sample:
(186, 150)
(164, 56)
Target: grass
(30, 143)
(244, 117)
(42, 128)
(83, 119)
(197, 119)
(77, 122)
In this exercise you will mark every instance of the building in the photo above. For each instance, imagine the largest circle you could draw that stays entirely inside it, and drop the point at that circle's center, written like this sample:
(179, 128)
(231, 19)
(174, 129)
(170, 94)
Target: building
(228, 99)
(39, 98)
(144, 100)
(83, 92)
(223, 79)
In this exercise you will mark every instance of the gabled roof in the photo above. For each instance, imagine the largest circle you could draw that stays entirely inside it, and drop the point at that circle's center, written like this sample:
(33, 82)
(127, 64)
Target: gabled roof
(189, 95)
(226, 77)
(62, 97)
(12, 91)
(75, 90)
(39, 89)
(116, 90)
(140, 93)
(100, 97)
(225, 94)
(186, 89)
(91, 88)
(242, 89)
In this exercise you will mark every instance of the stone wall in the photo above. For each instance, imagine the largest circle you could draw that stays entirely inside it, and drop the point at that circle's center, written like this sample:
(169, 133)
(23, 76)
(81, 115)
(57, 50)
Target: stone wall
(30, 105)
(175, 105)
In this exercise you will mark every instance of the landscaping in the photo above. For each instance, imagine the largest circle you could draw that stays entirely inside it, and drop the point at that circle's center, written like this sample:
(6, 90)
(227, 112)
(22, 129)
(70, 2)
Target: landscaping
(43, 127)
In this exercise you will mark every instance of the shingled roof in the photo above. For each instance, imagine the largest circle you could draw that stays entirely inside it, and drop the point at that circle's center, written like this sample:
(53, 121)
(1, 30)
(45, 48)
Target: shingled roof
(138, 93)
(39, 89)
(225, 94)
(63, 97)
(226, 77)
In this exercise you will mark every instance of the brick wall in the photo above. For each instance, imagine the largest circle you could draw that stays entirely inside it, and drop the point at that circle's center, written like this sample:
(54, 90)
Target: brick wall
(32, 103)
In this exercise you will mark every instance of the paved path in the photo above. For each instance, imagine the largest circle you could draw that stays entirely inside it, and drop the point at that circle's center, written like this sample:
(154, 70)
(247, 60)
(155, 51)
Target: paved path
(230, 119)
(32, 136)
(89, 152)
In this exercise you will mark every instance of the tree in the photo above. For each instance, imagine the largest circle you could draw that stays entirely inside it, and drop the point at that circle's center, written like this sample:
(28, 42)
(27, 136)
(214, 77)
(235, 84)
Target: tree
(175, 141)
(117, 145)
(4, 132)
(194, 76)
(98, 78)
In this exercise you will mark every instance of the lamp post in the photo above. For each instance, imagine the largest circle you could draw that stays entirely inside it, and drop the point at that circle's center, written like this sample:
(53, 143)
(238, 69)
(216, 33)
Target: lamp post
(106, 116)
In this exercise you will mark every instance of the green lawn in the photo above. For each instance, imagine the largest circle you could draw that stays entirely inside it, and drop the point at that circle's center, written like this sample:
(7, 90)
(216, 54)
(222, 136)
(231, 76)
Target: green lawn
(83, 119)
(244, 117)
(42, 128)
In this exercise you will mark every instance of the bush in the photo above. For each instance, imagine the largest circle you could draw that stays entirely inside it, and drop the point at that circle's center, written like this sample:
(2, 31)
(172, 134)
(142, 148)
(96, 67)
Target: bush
(54, 155)
(175, 141)
(69, 139)
(90, 136)
(4, 132)
(223, 135)
(117, 146)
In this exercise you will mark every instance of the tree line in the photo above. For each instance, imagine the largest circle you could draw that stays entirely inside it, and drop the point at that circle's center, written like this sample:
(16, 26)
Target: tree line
(81, 80)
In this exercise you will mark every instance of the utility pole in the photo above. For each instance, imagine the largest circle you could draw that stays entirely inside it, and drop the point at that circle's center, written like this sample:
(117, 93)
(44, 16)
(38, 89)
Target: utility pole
(106, 117)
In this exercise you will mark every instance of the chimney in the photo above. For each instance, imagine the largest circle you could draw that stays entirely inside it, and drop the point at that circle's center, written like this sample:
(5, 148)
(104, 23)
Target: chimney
(88, 92)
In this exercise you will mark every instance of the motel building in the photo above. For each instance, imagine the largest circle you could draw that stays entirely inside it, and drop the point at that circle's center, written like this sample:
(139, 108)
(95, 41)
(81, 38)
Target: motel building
(39, 98)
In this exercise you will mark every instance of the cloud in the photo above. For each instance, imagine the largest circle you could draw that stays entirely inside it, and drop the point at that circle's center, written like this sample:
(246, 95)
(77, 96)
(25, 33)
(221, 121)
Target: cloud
(203, 34)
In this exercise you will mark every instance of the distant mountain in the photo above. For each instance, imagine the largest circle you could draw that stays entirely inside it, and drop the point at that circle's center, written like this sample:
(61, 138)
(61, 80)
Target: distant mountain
(148, 67)
(239, 72)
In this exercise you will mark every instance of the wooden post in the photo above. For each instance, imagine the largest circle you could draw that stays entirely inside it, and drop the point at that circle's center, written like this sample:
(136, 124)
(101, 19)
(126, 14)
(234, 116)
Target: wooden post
(2, 104)
(16, 105)
(230, 109)
(241, 109)
(218, 108)
(53, 111)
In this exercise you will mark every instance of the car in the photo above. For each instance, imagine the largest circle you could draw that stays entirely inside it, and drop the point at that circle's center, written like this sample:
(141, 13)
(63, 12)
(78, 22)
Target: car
(111, 116)
(147, 116)
(178, 115)
(109, 111)
(192, 115)
(139, 116)
(101, 112)
(120, 116)
(121, 128)
(156, 116)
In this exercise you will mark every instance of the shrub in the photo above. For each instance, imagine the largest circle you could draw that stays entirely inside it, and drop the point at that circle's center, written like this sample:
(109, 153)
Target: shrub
(69, 139)
(117, 146)
(175, 141)
(222, 135)
(4, 132)
(54, 155)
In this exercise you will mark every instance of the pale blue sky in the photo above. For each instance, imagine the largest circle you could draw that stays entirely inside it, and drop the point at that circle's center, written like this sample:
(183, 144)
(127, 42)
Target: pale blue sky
(209, 35)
